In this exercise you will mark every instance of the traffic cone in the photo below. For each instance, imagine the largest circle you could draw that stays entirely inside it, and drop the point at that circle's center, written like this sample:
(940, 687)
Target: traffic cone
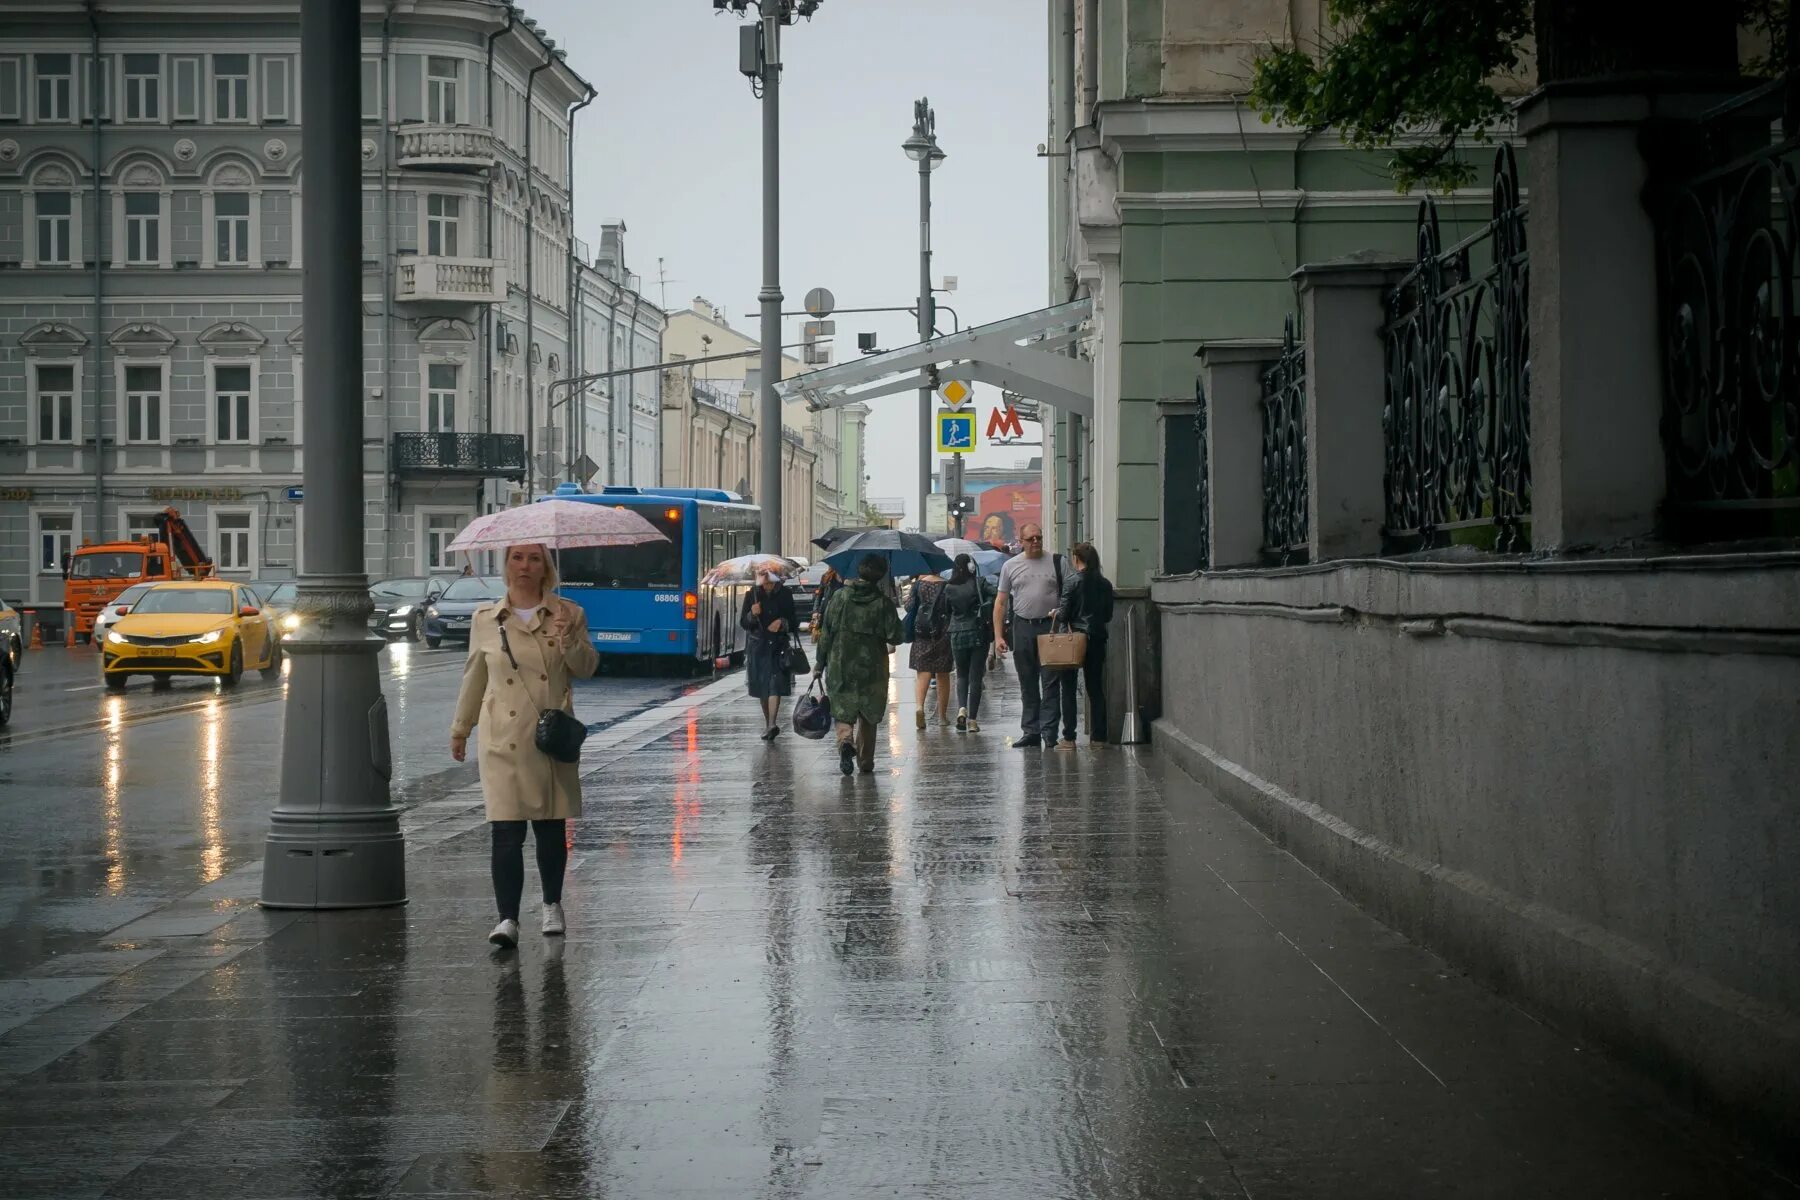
(37, 635)
(69, 632)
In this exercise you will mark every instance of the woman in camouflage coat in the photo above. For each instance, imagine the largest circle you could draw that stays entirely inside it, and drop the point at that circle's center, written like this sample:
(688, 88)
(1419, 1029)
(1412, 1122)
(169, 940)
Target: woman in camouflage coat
(861, 630)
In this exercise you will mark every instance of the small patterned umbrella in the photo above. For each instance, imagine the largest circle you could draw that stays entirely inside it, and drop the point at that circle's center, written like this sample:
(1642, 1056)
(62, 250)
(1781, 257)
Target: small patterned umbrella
(745, 567)
(559, 525)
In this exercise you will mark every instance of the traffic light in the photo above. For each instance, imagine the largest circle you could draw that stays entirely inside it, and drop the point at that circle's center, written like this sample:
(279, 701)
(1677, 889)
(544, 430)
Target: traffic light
(962, 506)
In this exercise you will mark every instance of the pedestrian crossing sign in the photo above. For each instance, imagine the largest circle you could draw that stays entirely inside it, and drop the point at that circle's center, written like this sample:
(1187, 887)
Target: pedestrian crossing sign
(955, 431)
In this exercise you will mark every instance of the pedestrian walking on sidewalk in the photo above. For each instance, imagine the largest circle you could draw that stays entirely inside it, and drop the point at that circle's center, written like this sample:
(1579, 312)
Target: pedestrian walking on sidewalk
(971, 600)
(1030, 591)
(1087, 607)
(928, 628)
(862, 628)
(525, 651)
(830, 583)
(769, 616)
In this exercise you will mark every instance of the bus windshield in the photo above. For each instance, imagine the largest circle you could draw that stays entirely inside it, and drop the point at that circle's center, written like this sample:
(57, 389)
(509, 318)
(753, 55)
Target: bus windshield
(651, 565)
(112, 564)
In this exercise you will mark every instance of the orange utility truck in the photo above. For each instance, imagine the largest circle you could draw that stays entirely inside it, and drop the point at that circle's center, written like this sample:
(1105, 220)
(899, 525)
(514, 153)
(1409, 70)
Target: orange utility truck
(99, 571)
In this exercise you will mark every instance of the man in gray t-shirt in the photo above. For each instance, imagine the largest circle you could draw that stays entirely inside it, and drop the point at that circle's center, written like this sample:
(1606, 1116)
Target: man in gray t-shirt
(1030, 591)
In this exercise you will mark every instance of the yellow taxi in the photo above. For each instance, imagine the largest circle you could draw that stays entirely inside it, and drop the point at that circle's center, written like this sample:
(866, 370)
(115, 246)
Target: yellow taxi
(204, 627)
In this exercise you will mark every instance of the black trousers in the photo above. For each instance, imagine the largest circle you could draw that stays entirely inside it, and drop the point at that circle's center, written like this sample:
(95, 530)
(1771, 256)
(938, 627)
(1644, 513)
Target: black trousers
(971, 669)
(1093, 670)
(1037, 687)
(552, 841)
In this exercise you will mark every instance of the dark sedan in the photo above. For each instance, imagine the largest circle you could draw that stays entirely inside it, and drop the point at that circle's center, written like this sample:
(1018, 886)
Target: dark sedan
(448, 619)
(400, 605)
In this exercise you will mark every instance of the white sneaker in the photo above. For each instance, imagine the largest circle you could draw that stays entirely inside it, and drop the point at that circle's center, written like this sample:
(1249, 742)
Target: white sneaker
(554, 925)
(505, 935)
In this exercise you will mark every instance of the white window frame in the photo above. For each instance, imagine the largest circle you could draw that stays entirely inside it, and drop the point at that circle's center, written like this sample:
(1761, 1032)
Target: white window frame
(296, 226)
(121, 230)
(369, 96)
(12, 101)
(35, 394)
(209, 223)
(128, 92)
(252, 548)
(459, 517)
(214, 78)
(75, 259)
(131, 531)
(430, 222)
(189, 64)
(275, 103)
(443, 93)
(459, 395)
(253, 433)
(122, 437)
(71, 81)
(40, 574)
(299, 357)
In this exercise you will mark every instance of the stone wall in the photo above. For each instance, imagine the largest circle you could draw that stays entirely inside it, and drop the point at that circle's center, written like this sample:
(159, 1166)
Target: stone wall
(1575, 778)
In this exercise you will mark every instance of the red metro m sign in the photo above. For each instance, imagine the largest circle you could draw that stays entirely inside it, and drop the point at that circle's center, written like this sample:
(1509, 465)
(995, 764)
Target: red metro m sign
(1004, 422)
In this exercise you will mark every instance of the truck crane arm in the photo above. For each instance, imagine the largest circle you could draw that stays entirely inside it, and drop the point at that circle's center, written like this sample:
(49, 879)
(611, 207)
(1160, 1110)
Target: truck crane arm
(182, 543)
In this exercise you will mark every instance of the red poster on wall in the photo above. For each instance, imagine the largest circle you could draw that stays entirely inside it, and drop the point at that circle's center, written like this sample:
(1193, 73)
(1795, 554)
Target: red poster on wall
(1001, 511)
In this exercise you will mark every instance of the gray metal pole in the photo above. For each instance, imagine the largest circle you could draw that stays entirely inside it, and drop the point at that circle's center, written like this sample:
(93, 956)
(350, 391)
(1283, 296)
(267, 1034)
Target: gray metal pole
(769, 426)
(334, 837)
(926, 322)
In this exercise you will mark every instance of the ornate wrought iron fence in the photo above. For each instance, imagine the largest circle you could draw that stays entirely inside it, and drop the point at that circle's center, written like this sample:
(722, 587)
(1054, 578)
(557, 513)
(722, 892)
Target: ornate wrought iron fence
(1731, 337)
(1457, 419)
(1286, 529)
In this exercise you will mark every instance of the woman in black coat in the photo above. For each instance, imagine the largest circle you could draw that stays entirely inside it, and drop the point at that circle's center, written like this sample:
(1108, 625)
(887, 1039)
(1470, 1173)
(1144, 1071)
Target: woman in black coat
(1087, 607)
(769, 616)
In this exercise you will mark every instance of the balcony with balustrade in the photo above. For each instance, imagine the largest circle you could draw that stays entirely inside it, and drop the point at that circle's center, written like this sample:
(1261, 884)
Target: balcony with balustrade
(429, 279)
(462, 148)
(459, 455)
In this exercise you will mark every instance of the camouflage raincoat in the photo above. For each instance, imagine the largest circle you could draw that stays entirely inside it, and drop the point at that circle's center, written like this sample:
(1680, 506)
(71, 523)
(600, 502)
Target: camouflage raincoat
(861, 629)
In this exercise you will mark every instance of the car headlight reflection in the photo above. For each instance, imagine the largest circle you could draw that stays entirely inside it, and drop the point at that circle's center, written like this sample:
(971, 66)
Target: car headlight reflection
(405, 610)
(290, 622)
(207, 639)
(117, 639)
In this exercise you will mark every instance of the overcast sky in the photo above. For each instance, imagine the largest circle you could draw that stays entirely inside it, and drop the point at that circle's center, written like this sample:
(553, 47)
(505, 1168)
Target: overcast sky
(672, 147)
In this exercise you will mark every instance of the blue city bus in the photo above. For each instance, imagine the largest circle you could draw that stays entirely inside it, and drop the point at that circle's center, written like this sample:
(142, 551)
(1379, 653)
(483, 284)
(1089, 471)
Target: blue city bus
(649, 600)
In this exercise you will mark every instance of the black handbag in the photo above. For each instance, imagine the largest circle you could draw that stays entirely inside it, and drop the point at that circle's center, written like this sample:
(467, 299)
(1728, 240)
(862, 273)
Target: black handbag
(558, 734)
(797, 662)
(812, 713)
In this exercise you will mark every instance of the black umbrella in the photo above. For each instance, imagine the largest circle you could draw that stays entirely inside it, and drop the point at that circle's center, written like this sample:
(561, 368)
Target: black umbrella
(838, 533)
(906, 553)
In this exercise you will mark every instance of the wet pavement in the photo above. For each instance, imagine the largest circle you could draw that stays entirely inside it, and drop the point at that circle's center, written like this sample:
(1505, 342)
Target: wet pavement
(978, 973)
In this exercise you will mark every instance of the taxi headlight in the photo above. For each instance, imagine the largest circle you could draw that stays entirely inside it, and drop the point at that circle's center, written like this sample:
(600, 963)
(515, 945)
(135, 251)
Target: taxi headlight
(117, 639)
(290, 622)
(207, 639)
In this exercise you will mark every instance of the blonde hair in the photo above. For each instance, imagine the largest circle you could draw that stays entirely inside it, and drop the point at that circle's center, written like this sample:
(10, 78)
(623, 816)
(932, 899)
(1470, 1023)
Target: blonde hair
(552, 578)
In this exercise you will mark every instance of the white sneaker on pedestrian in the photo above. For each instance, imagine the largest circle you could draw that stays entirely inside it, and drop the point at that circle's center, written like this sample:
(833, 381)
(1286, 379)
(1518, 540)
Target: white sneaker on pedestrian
(554, 925)
(505, 935)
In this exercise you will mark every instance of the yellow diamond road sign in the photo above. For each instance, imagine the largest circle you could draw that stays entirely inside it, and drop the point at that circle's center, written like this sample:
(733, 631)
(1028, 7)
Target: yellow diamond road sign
(956, 393)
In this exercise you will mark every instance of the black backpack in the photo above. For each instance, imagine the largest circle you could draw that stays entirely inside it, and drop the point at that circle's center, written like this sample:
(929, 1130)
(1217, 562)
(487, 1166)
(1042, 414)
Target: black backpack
(934, 619)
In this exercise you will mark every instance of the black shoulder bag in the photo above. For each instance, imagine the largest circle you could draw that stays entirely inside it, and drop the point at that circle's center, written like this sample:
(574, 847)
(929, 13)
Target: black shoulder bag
(558, 734)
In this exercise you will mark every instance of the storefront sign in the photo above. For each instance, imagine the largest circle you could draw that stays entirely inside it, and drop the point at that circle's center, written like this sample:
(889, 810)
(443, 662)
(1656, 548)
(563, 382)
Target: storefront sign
(211, 495)
(15, 493)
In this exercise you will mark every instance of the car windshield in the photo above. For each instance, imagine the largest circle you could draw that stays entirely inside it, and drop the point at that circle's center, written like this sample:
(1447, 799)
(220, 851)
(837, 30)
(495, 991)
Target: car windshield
(474, 589)
(650, 565)
(133, 594)
(110, 564)
(401, 589)
(283, 593)
(211, 602)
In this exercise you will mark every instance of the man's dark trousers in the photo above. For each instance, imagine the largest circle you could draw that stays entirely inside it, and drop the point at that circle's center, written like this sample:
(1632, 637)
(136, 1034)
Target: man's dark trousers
(1039, 696)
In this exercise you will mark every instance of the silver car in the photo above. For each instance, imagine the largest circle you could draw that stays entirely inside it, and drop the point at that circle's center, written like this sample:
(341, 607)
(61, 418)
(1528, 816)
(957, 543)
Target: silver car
(109, 616)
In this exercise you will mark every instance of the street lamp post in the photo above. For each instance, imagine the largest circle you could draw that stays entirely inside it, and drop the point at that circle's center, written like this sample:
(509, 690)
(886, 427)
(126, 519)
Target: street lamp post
(759, 58)
(334, 836)
(923, 149)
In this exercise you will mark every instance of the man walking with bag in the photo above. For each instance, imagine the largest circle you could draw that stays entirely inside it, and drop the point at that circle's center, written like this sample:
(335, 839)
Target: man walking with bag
(1030, 593)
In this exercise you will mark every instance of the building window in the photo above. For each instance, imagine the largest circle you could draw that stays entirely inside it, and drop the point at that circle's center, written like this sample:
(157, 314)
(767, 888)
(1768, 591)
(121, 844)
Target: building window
(55, 404)
(371, 91)
(55, 87)
(231, 228)
(231, 87)
(55, 228)
(143, 87)
(232, 541)
(143, 228)
(443, 214)
(442, 77)
(231, 404)
(143, 406)
(12, 76)
(440, 531)
(275, 91)
(186, 88)
(56, 541)
(440, 397)
(140, 525)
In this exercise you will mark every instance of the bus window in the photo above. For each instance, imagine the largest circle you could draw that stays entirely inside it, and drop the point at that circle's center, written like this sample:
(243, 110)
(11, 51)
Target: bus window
(715, 549)
(743, 541)
(650, 565)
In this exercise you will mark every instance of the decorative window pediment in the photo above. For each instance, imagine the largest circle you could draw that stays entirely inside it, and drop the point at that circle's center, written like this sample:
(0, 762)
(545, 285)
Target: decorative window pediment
(141, 175)
(141, 340)
(53, 339)
(53, 176)
(297, 340)
(232, 338)
(448, 340)
(231, 177)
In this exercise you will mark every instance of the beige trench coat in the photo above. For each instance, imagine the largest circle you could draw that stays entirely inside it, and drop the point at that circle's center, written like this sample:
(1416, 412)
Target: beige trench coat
(519, 781)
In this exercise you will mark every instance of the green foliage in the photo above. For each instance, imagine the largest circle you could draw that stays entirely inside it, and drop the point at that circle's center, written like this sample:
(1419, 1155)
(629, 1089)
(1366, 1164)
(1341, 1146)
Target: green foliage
(1393, 67)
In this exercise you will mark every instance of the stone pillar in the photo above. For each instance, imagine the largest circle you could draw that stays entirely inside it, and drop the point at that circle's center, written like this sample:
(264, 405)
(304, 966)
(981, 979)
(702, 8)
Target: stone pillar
(1231, 374)
(1342, 315)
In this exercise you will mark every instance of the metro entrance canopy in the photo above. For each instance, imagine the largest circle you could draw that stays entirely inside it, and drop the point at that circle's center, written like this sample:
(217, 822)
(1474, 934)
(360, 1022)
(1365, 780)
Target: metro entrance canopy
(1019, 354)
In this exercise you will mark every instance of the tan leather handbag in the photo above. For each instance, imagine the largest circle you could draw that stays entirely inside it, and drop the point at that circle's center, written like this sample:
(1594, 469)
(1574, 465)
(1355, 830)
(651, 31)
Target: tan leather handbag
(1061, 651)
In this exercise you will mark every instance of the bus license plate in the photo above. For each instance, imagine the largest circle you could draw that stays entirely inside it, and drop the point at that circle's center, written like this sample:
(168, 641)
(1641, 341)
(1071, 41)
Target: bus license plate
(607, 635)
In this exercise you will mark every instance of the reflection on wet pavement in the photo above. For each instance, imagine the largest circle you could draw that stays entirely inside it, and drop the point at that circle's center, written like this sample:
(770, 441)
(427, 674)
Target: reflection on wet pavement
(976, 973)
